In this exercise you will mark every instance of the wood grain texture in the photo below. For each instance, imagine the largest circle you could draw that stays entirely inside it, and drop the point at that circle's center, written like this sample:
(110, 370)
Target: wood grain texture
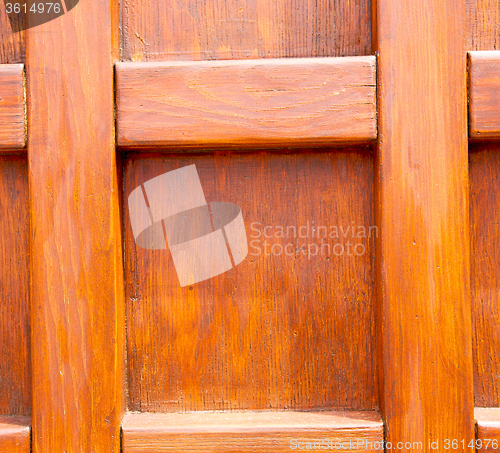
(258, 103)
(488, 429)
(484, 164)
(12, 45)
(155, 30)
(12, 118)
(251, 431)
(76, 259)
(278, 331)
(15, 435)
(484, 95)
(422, 210)
(15, 380)
(483, 25)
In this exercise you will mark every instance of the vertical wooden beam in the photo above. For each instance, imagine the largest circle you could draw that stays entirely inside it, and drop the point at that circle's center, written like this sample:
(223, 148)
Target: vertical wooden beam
(76, 260)
(422, 208)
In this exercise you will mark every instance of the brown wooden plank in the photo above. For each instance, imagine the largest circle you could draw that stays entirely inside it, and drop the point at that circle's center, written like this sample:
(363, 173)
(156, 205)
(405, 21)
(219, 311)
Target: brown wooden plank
(15, 435)
(155, 30)
(484, 165)
(15, 380)
(422, 209)
(277, 331)
(252, 431)
(487, 429)
(12, 118)
(484, 95)
(258, 103)
(483, 32)
(76, 261)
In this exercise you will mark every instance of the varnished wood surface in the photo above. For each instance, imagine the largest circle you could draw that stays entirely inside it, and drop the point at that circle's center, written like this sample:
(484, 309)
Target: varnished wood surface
(251, 431)
(258, 103)
(76, 260)
(276, 331)
(12, 45)
(12, 119)
(15, 435)
(484, 164)
(483, 31)
(488, 429)
(422, 209)
(15, 379)
(155, 30)
(484, 95)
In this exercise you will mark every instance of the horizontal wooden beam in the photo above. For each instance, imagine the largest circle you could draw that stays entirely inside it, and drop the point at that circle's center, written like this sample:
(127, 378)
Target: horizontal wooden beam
(487, 429)
(157, 105)
(484, 95)
(251, 431)
(12, 112)
(313, 101)
(15, 434)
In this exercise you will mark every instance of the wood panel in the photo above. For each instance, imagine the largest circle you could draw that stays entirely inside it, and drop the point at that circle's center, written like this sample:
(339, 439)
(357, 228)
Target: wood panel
(483, 25)
(422, 210)
(283, 331)
(231, 29)
(12, 45)
(252, 432)
(485, 270)
(76, 260)
(487, 429)
(15, 435)
(484, 95)
(12, 108)
(258, 103)
(15, 380)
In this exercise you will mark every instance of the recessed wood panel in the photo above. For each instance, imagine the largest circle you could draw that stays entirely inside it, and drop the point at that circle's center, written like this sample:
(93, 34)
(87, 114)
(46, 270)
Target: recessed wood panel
(15, 382)
(484, 171)
(253, 432)
(292, 326)
(155, 30)
(483, 25)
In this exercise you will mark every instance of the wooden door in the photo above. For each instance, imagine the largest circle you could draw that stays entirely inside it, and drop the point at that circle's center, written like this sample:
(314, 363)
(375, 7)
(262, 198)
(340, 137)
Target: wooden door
(335, 164)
